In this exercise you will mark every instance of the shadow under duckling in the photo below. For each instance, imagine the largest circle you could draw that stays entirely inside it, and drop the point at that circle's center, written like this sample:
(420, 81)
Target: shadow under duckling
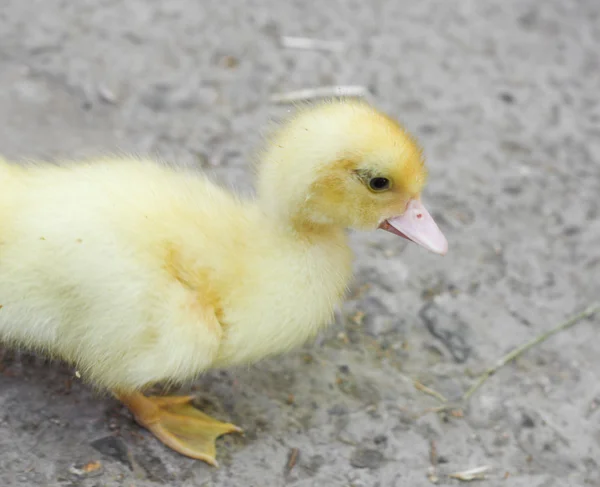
(138, 273)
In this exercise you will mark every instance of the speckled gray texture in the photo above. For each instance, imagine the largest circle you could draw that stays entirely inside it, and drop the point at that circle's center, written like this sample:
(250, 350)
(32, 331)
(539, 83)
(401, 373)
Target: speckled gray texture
(504, 96)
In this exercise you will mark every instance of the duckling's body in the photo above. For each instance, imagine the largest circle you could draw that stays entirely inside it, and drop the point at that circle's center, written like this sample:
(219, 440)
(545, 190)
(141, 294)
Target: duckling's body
(139, 273)
(96, 257)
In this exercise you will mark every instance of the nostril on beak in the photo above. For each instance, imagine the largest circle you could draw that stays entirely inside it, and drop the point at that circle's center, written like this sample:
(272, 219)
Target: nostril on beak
(419, 215)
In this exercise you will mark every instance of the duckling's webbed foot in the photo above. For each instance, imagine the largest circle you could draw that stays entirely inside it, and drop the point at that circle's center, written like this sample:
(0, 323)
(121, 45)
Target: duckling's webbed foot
(178, 424)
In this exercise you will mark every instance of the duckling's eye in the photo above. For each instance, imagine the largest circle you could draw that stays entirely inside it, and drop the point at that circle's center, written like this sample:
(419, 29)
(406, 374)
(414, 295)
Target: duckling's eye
(379, 184)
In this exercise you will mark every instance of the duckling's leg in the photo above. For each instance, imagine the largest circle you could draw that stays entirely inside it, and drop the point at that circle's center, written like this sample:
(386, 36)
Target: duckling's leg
(178, 424)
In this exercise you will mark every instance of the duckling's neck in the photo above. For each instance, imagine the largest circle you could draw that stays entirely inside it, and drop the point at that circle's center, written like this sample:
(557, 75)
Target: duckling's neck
(299, 273)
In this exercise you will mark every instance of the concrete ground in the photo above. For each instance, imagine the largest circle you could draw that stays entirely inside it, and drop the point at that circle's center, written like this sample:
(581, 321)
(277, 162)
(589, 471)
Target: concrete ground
(504, 96)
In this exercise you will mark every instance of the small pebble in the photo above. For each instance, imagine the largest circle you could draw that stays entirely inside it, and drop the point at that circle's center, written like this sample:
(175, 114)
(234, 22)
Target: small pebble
(507, 98)
(112, 447)
(344, 369)
(91, 469)
(380, 440)
(527, 421)
(366, 458)
(107, 95)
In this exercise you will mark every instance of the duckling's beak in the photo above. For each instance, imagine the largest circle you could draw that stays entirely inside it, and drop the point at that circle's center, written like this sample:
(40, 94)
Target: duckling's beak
(417, 225)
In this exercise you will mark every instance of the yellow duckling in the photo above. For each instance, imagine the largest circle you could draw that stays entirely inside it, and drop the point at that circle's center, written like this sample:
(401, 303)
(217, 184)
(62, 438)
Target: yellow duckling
(139, 273)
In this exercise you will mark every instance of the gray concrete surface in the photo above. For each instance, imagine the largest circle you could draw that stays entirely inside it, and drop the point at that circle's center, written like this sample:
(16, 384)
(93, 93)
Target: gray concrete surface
(503, 94)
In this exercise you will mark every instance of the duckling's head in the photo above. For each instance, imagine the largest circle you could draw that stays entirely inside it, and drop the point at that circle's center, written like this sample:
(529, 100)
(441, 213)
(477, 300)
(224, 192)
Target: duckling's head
(345, 164)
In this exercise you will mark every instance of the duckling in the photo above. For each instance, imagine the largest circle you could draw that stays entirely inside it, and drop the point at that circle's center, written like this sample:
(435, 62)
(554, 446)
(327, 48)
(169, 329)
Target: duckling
(138, 273)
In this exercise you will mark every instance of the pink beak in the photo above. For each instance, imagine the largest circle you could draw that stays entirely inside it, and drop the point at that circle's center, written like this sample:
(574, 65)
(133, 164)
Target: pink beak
(418, 226)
